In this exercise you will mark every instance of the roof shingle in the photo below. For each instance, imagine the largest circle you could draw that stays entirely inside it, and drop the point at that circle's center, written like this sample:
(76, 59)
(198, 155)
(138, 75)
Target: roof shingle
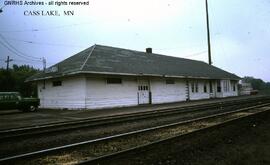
(110, 60)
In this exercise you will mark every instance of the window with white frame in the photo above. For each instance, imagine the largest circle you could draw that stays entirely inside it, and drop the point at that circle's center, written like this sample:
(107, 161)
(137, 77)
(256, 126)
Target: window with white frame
(194, 87)
(226, 85)
(233, 86)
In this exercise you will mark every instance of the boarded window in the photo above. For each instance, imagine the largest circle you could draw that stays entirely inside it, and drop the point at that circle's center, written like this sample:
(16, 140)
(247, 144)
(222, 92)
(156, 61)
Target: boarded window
(57, 83)
(170, 81)
(114, 81)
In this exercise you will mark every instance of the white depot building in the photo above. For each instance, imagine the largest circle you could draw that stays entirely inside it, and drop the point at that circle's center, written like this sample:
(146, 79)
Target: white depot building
(103, 77)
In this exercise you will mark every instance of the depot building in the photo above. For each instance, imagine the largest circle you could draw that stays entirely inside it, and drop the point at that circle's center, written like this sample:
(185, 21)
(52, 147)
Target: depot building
(104, 77)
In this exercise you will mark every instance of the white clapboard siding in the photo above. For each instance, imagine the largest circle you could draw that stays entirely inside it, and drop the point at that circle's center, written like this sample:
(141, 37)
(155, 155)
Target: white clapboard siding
(99, 94)
(70, 95)
(165, 93)
(80, 92)
(227, 93)
(200, 94)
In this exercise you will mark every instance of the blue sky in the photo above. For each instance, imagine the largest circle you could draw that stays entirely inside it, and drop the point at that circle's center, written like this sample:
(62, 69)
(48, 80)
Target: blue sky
(240, 31)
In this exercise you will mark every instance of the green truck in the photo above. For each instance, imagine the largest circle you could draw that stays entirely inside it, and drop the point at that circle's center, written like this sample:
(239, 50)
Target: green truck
(14, 100)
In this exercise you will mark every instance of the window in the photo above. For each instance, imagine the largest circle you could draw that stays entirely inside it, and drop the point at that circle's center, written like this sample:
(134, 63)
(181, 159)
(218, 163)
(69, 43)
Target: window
(233, 86)
(114, 81)
(218, 86)
(170, 81)
(143, 88)
(205, 87)
(194, 87)
(226, 85)
(211, 87)
(57, 83)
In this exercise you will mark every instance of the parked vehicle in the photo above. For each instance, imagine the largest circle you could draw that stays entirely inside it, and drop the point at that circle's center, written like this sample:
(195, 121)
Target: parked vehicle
(14, 100)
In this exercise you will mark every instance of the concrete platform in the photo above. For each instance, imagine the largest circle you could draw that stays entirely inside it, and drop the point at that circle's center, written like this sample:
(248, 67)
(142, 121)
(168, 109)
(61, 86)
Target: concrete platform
(15, 118)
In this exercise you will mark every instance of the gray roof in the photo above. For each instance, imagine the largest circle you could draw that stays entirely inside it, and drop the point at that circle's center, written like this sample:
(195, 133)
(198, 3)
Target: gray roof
(100, 59)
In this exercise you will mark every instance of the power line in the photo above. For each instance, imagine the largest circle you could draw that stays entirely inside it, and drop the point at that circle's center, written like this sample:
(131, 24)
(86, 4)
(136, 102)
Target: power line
(44, 29)
(16, 50)
(44, 43)
(25, 61)
(196, 54)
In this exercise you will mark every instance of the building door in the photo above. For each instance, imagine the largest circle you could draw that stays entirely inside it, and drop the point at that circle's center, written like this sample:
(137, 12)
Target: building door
(143, 92)
(212, 90)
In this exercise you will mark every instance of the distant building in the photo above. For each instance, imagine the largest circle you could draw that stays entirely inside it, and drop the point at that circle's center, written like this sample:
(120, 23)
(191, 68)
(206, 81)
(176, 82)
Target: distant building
(245, 88)
(103, 76)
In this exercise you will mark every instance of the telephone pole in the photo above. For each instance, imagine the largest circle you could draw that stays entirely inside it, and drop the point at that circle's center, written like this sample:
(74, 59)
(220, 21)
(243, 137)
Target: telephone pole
(7, 61)
(208, 34)
(44, 64)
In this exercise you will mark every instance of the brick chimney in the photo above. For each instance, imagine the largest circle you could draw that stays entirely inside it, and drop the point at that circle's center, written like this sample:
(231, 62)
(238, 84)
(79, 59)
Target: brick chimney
(148, 50)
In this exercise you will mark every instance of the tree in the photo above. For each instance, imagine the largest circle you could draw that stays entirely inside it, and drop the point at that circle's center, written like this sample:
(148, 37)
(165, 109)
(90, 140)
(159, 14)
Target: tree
(14, 80)
(258, 84)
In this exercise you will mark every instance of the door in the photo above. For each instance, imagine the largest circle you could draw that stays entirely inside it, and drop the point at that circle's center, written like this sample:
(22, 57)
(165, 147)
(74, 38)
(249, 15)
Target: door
(143, 92)
(212, 90)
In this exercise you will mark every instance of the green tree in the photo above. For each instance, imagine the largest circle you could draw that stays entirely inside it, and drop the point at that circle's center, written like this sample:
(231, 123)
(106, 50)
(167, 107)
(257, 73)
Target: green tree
(258, 84)
(14, 80)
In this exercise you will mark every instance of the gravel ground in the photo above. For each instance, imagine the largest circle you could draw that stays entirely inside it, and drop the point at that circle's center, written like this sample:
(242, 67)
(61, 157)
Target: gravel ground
(15, 118)
(243, 142)
(30, 144)
(120, 144)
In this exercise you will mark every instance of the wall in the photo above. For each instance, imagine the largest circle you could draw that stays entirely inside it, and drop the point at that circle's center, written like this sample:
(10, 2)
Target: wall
(99, 94)
(70, 95)
(165, 93)
(200, 94)
(229, 92)
(80, 92)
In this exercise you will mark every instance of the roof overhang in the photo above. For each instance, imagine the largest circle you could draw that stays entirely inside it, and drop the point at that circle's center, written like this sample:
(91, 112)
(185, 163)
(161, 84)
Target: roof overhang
(124, 74)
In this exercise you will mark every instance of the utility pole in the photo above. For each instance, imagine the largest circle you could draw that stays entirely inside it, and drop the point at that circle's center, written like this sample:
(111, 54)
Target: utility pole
(208, 34)
(7, 61)
(44, 64)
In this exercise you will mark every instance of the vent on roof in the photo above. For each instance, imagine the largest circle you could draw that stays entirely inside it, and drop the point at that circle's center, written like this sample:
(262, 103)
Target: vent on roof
(148, 50)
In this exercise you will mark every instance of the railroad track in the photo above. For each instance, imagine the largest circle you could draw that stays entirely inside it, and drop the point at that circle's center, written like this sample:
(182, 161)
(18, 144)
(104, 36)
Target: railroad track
(107, 120)
(111, 148)
(187, 144)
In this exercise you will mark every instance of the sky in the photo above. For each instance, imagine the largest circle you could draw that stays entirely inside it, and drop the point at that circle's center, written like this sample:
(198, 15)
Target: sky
(240, 31)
